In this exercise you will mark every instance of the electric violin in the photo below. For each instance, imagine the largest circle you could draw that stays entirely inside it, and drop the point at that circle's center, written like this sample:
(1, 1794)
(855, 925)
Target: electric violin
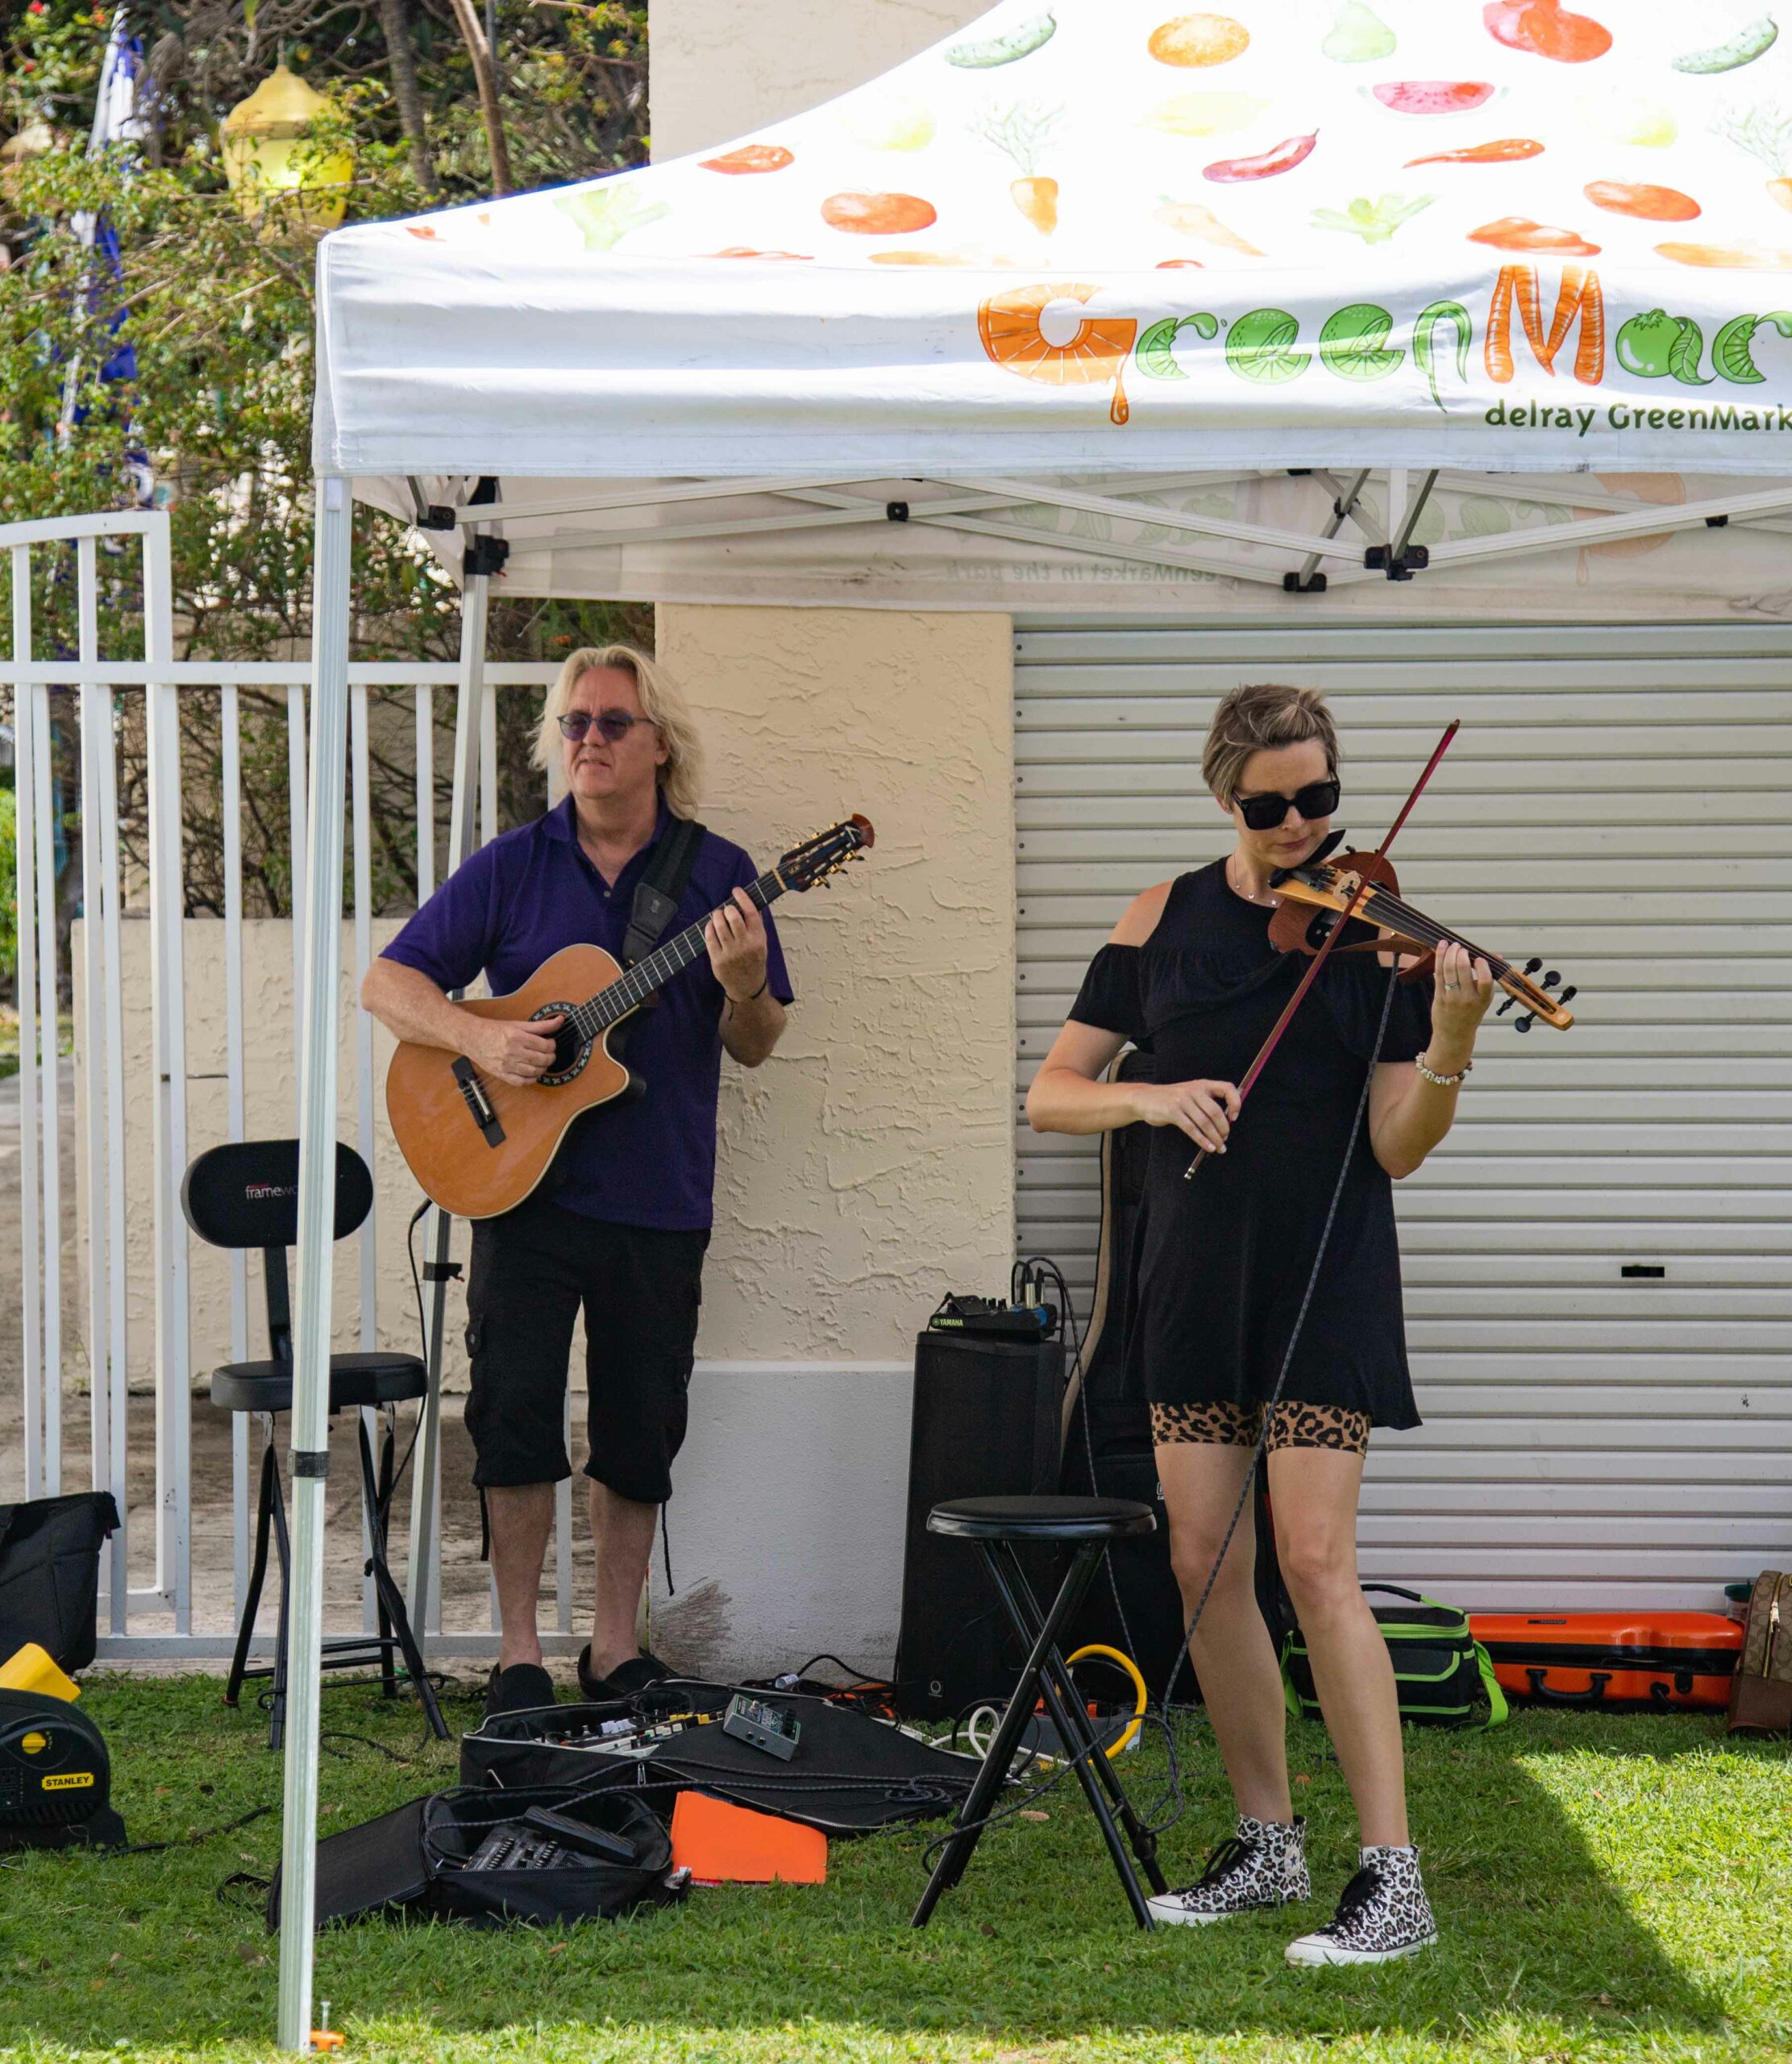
(1314, 897)
(1346, 892)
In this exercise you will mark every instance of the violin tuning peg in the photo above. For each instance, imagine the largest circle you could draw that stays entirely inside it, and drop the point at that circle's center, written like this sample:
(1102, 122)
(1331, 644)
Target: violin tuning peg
(1531, 966)
(1505, 1007)
(1523, 1024)
(1551, 978)
(1568, 994)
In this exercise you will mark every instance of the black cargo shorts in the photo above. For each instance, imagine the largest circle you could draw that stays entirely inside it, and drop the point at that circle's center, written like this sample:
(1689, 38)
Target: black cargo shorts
(640, 1286)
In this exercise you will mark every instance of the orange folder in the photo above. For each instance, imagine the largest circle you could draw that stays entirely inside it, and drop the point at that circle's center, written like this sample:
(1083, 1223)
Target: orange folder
(719, 1844)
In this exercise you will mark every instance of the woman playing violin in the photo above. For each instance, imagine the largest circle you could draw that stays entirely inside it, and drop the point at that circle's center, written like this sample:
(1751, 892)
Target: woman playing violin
(1189, 975)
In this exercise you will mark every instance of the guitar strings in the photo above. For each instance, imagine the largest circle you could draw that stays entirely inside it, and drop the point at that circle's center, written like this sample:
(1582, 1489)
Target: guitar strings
(608, 1005)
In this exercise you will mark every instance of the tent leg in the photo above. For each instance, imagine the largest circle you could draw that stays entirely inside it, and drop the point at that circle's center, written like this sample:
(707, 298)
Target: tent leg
(310, 1433)
(426, 1499)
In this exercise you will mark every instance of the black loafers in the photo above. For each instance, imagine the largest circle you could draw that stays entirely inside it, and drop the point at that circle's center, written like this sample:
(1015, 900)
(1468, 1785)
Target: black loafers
(518, 1689)
(635, 1675)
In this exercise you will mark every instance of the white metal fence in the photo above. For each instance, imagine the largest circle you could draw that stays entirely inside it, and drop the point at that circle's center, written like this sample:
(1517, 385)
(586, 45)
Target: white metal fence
(45, 1211)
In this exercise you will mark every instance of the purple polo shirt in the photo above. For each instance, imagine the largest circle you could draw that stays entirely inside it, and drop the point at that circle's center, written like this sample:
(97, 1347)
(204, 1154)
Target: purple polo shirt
(648, 1160)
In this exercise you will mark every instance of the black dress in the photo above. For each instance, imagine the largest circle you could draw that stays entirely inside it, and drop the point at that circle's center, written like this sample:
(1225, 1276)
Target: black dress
(1224, 1259)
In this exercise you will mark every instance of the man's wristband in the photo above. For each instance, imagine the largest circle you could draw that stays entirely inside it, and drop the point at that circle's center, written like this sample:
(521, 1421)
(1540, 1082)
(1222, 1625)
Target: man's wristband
(760, 991)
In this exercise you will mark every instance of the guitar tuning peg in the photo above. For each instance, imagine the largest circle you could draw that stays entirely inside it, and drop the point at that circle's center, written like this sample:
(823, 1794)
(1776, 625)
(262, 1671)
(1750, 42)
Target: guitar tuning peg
(1523, 1024)
(1551, 978)
(1531, 966)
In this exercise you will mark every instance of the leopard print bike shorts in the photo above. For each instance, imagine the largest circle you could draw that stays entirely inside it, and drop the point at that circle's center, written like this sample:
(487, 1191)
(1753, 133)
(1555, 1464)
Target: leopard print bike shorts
(1223, 1424)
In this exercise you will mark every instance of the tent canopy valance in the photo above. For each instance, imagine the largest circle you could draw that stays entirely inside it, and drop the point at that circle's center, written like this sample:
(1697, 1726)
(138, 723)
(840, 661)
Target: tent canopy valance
(1130, 251)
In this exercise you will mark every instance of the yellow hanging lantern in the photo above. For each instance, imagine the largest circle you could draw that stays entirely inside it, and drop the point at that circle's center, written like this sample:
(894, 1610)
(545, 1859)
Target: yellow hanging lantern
(266, 157)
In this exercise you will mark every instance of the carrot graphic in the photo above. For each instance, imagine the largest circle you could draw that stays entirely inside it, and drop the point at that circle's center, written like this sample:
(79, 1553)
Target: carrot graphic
(1021, 132)
(1580, 296)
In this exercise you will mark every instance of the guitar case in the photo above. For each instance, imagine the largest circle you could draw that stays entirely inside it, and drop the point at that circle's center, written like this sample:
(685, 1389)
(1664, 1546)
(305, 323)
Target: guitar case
(1135, 1605)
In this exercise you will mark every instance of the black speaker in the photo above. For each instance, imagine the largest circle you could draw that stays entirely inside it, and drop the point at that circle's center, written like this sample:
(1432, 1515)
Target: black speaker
(987, 1423)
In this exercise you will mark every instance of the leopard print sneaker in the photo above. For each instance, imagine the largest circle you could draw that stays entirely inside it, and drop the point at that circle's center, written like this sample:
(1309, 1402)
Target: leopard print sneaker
(1264, 1864)
(1383, 1914)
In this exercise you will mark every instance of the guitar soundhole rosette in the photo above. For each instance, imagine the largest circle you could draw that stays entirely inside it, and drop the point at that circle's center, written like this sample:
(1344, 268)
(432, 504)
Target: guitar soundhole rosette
(580, 1053)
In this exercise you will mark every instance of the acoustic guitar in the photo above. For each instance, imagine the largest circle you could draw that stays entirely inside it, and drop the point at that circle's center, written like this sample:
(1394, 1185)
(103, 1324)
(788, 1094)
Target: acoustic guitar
(479, 1147)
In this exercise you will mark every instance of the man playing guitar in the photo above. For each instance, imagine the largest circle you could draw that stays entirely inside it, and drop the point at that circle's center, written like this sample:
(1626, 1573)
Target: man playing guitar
(623, 1220)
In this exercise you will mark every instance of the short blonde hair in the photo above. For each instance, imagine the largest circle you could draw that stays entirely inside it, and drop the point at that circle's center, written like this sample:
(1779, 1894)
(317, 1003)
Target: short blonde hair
(662, 700)
(1261, 716)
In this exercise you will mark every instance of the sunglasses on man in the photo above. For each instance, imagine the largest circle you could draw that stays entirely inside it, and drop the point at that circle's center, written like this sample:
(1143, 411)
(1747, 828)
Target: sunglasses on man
(1265, 812)
(611, 725)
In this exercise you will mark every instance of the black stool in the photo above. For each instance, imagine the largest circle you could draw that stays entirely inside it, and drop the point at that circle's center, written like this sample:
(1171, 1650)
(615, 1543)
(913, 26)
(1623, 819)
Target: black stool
(998, 1525)
(245, 1195)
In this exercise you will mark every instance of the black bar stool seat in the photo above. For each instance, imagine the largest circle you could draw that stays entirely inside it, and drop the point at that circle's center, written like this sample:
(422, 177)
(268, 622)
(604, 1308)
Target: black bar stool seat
(1041, 1519)
(997, 1527)
(356, 1381)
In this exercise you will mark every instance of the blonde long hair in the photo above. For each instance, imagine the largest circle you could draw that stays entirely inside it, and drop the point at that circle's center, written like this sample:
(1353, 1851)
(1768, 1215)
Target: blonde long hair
(662, 700)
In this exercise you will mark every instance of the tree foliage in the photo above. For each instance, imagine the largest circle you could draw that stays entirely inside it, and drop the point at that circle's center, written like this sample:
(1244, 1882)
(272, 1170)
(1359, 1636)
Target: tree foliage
(217, 312)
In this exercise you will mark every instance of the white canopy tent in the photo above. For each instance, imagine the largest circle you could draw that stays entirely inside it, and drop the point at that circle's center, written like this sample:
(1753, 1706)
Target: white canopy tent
(1262, 309)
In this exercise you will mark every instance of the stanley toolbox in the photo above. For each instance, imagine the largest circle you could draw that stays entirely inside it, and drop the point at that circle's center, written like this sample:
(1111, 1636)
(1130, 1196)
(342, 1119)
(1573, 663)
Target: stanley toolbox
(1664, 1660)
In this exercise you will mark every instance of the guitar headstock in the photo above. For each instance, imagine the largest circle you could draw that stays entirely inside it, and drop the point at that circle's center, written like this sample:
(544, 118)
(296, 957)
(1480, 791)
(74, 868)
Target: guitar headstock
(825, 853)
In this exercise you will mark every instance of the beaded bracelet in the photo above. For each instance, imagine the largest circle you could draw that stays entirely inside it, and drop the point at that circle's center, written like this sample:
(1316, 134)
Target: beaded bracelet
(1443, 1081)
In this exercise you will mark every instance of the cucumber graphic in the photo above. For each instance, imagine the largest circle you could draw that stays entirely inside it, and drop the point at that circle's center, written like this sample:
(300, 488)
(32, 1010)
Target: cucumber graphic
(985, 55)
(1743, 48)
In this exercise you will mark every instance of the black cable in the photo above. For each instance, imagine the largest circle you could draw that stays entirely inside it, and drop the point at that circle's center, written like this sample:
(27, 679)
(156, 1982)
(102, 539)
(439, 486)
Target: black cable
(191, 1841)
(422, 1342)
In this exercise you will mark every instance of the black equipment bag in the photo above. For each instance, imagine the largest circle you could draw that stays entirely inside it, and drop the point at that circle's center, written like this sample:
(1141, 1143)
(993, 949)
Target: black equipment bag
(418, 1858)
(49, 1575)
(850, 1773)
(1135, 1603)
(1442, 1675)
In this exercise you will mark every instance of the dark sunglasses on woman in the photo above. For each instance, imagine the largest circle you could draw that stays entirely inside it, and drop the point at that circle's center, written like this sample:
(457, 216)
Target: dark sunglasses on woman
(1264, 812)
(611, 725)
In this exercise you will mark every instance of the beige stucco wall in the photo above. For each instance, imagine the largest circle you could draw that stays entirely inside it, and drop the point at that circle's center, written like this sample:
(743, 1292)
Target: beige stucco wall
(869, 1164)
(718, 70)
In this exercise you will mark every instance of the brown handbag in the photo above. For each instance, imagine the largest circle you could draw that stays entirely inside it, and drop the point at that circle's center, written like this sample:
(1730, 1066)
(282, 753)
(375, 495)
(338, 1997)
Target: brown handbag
(1761, 1692)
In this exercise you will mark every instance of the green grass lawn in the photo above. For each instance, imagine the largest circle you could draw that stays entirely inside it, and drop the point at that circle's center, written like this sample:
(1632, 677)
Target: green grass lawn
(1606, 1888)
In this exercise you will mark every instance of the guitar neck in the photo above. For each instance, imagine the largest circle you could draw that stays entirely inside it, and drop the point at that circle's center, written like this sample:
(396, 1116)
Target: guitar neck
(610, 1006)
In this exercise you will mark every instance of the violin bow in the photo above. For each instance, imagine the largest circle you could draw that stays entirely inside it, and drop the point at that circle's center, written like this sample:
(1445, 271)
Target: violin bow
(1331, 938)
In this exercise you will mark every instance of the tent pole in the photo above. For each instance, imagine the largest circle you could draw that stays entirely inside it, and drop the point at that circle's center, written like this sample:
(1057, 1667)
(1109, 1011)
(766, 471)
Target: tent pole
(426, 1499)
(316, 1199)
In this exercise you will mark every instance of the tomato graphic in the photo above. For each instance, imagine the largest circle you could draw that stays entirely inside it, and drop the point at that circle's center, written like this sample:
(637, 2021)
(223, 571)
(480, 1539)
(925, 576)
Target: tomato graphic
(879, 215)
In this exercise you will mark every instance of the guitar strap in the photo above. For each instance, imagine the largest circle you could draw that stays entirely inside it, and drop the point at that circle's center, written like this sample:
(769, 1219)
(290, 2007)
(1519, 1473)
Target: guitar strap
(657, 893)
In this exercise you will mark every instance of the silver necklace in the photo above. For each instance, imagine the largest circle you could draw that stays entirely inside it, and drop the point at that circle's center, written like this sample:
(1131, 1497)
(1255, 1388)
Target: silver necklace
(1231, 883)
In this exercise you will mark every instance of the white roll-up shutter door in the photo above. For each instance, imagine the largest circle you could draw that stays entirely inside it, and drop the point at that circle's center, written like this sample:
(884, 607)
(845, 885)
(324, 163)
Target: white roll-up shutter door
(1596, 1261)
